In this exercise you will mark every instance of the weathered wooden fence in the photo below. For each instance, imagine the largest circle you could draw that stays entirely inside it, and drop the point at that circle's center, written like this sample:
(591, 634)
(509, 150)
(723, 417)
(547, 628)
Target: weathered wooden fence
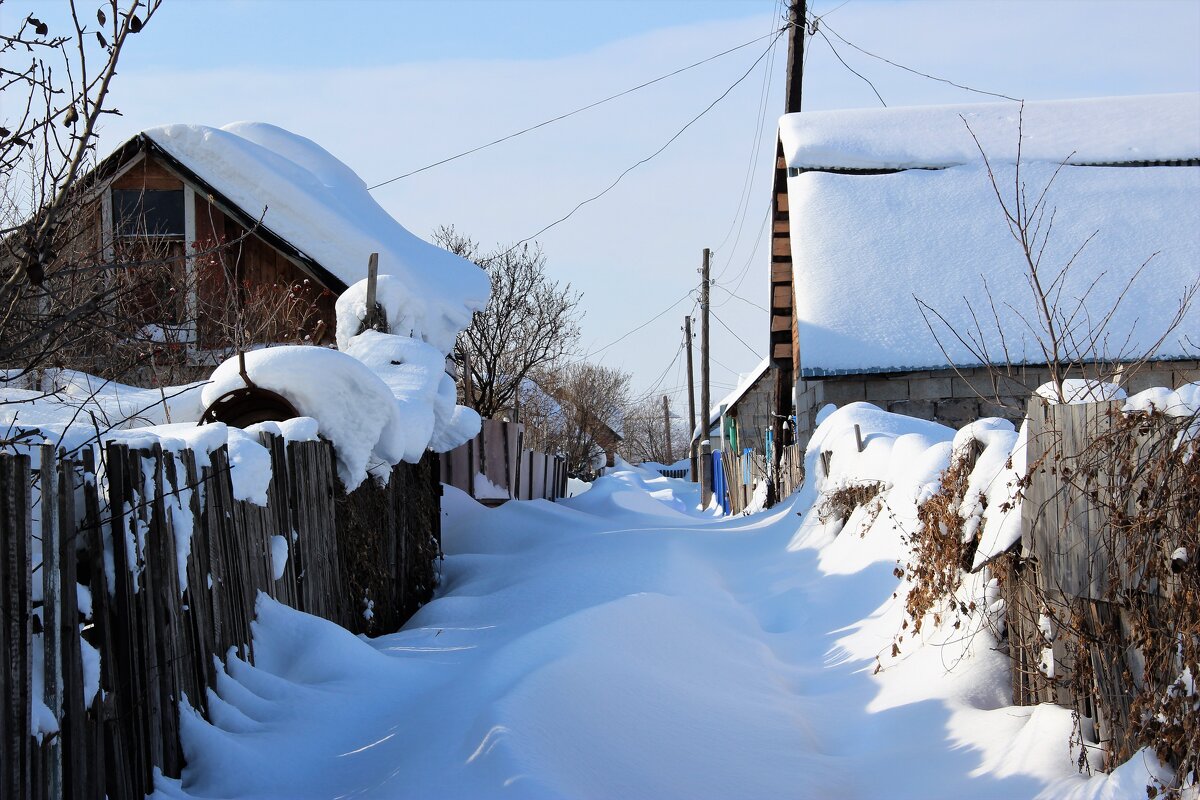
(495, 467)
(174, 565)
(746, 469)
(1076, 576)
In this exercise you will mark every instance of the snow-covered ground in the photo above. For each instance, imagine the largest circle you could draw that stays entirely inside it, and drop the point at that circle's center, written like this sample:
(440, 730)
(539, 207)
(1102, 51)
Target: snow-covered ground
(622, 644)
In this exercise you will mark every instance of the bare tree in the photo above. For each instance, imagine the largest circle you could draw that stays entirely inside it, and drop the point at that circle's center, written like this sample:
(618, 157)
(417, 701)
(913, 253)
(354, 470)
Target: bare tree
(54, 87)
(645, 434)
(530, 324)
(1070, 334)
(578, 413)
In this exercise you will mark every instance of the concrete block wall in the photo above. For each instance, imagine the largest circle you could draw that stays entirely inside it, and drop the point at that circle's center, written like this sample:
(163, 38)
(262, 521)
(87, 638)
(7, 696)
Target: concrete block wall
(956, 398)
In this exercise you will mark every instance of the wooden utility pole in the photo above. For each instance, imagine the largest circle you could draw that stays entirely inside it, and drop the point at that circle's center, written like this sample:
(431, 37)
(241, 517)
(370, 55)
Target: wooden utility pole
(705, 400)
(784, 350)
(692, 440)
(667, 426)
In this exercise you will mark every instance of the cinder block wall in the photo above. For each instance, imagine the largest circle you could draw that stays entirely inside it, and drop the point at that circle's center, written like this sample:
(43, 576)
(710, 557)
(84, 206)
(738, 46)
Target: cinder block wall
(956, 398)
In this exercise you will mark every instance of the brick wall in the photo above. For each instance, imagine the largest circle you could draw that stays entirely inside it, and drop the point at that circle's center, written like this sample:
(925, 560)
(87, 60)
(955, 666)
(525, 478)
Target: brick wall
(956, 398)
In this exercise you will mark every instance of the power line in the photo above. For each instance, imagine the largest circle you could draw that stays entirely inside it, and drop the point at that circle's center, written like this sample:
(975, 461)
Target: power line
(733, 296)
(753, 252)
(667, 144)
(838, 56)
(743, 206)
(726, 327)
(639, 327)
(579, 110)
(908, 69)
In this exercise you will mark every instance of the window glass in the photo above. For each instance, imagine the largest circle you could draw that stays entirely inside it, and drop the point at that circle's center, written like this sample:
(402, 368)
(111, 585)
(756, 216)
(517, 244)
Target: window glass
(148, 212)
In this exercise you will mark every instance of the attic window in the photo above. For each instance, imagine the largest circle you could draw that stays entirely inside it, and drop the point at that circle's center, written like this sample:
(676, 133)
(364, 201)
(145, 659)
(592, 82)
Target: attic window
(148, 212)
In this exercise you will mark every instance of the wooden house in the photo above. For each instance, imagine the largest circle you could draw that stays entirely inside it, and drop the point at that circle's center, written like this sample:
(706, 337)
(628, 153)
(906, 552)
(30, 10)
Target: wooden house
(741, 419)
(222, 238)
(897, 280)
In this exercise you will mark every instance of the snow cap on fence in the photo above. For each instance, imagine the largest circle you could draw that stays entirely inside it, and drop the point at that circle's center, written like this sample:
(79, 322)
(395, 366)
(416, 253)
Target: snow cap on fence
(353, 407)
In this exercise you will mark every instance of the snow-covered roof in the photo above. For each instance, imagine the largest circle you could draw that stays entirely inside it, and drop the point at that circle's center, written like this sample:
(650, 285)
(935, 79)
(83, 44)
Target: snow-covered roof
(866, 247)
(746, 381)
(313, 201)
(1106, 130)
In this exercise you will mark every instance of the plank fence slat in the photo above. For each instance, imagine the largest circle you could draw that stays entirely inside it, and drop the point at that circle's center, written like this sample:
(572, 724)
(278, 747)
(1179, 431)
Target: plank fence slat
(15, 627)
(73, 724)
(98, 721)
(52, 592)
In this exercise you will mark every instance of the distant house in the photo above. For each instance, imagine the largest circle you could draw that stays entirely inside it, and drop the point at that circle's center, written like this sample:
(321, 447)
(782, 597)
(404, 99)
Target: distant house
(213, 227)
(891, 211)
(743, 417)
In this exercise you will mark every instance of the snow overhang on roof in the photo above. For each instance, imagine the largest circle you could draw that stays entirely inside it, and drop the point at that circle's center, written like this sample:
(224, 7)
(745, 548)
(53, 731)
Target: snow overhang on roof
(313, 202)
(1108, 130)
(891, 206)
(745, 382)
(866, 248)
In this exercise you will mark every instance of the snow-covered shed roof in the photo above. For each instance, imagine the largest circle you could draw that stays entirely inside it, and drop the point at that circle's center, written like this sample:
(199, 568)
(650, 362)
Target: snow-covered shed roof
(867, 247)
(309, 200)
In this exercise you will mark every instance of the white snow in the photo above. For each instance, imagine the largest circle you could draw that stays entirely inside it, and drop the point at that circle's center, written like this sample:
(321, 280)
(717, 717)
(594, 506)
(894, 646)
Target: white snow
(354, 408)
(622, 644)
(279, 556)
(315, 202)
(1080, 391)
(427, 416)
(867, 247)
(1099, 130)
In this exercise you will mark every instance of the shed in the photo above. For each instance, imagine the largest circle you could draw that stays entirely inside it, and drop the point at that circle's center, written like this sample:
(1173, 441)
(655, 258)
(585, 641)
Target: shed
(908, 289)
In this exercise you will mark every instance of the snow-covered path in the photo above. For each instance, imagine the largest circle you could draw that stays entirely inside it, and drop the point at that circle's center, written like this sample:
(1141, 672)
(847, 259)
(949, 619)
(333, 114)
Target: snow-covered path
(619, 645)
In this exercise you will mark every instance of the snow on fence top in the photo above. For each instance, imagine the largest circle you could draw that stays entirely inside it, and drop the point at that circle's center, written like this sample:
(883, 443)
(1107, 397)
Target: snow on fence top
(318, 204)
(866, 247)
(1105, 130)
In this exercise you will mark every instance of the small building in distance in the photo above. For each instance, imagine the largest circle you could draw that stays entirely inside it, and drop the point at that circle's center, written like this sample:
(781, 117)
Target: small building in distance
(898, 279)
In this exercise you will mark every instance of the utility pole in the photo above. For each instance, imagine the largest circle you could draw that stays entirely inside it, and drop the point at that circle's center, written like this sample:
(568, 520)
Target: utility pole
(692, 441)
(667, 426)
(705, 400)
(781, 267)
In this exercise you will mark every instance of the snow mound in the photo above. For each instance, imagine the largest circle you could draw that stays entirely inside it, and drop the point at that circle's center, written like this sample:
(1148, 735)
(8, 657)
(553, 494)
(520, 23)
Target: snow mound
(309, 198)
(1181, 402)
(1079, 391)
(354, 408)
(414, 372)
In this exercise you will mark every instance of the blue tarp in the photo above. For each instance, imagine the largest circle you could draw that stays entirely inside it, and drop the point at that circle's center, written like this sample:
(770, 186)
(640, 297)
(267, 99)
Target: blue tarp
(718, 482)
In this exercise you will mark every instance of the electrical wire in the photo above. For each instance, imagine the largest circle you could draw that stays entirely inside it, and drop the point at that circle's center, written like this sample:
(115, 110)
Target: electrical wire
(579, 110)
(750, 260)
(838, 56)
(733, 296)
(910, 69)
(740, 339)
(743, 206)
(639, 327)
(665, 145)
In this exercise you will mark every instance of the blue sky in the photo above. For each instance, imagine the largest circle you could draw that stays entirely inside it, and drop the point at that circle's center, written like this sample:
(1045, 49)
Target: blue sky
(376, 32)
(391, 86)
